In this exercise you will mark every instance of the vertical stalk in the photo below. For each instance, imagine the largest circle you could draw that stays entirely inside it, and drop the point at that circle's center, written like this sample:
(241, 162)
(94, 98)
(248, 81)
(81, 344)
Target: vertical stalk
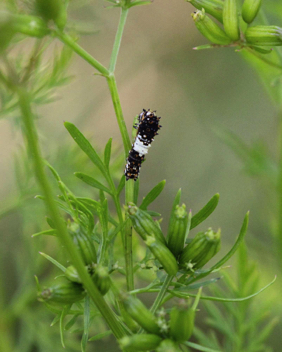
(30, 133)
(279, 191)
(113, 61)
(161, 294)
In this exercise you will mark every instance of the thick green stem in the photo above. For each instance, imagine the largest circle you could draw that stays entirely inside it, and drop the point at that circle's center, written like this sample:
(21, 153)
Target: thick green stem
(279, 192)
(117, 42)
(33, 145)
(129, 195)
(119, 115)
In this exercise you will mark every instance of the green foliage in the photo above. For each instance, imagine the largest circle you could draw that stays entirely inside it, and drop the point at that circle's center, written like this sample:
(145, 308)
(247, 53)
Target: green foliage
(238, 326)
(96, 231)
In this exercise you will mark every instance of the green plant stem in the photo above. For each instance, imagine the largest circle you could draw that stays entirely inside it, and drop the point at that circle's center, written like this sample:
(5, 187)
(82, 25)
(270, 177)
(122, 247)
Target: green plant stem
(69, 41)
(129, 195)
(264, 59)
(161, 294)
(33, 145)
(113, 61)
(118, 111)
(279, 191)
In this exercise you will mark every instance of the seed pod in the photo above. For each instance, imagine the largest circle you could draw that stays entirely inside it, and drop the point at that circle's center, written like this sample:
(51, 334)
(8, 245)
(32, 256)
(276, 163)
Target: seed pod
(138, 311)
(102, 279)
(213, 7)
(231, 20)
(72, 274)
(182, 319)
(84, 244)
(168, 346)
(29, 25)
(144, 225)
(210, 29)
(52, 10)
(177, 229)
(264, 35)
(63, 293)
(250, 9)
(142, 342)
(201, 249)
(163, 255)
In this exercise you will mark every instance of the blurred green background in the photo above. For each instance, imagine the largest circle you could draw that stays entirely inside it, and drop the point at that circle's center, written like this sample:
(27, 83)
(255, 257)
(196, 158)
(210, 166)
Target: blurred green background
(198, 94)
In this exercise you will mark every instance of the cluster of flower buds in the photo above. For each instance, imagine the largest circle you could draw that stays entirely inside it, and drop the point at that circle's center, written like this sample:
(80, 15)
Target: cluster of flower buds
(73, 290)
(200, 250)
(179, 327)
(229, 15)
(171, 252)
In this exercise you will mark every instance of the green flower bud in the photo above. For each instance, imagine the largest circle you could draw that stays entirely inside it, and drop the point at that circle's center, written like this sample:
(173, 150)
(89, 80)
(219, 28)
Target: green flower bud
(210, 29)
(63, 293)
(231, 19)
(138, 311)
(52, 10)
(250, 9)
(6, 30)
(177, 229)
(163, 255)
(200, 250)
(142, 342)
(144, 225)
(72, 274)
(168, 346)
(213, 7)
(264, 35)
(29, 25)
(83, 243)
(102, 279)
(182, 319)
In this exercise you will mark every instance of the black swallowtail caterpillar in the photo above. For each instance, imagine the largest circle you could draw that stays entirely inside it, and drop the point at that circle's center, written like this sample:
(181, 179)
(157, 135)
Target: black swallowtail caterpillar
(147, 128)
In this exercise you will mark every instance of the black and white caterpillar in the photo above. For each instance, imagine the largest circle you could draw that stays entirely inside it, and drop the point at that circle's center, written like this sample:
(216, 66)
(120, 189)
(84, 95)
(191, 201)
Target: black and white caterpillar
(147, 128)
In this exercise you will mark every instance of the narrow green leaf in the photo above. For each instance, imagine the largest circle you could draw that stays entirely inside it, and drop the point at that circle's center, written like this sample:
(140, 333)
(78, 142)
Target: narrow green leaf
(222, 299)
(136, 191)
(138, 3)
(101, 335)
(92, 182)
(261, 50)
(52, 260)
(72, 321)
(152, 195)
(220, 263)
(121, 185)
(197, 285)
(63, 314)
(199, 347)
(46, 232)
(206, 46)
(56, 319)
(107, 153)
(86, 323)
(50, 222)
(84, 145)
(174, 204)
(153, 213)
(205, 211)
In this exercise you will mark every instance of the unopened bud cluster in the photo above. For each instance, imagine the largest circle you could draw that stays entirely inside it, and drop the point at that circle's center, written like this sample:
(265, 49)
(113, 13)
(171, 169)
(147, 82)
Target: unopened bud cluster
(170, 252)
(160, 335)
(72, 290)
(228, 31)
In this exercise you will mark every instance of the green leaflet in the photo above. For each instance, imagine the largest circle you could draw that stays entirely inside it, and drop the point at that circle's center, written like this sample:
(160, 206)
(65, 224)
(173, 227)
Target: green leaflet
(92, 182)
(107, 153)
(152, 195)
(86, 323)
(205, 212)
(85, 145)
(52, 260)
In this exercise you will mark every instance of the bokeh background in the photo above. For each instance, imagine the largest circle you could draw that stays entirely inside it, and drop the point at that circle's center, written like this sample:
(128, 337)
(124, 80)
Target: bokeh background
(199, 95)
